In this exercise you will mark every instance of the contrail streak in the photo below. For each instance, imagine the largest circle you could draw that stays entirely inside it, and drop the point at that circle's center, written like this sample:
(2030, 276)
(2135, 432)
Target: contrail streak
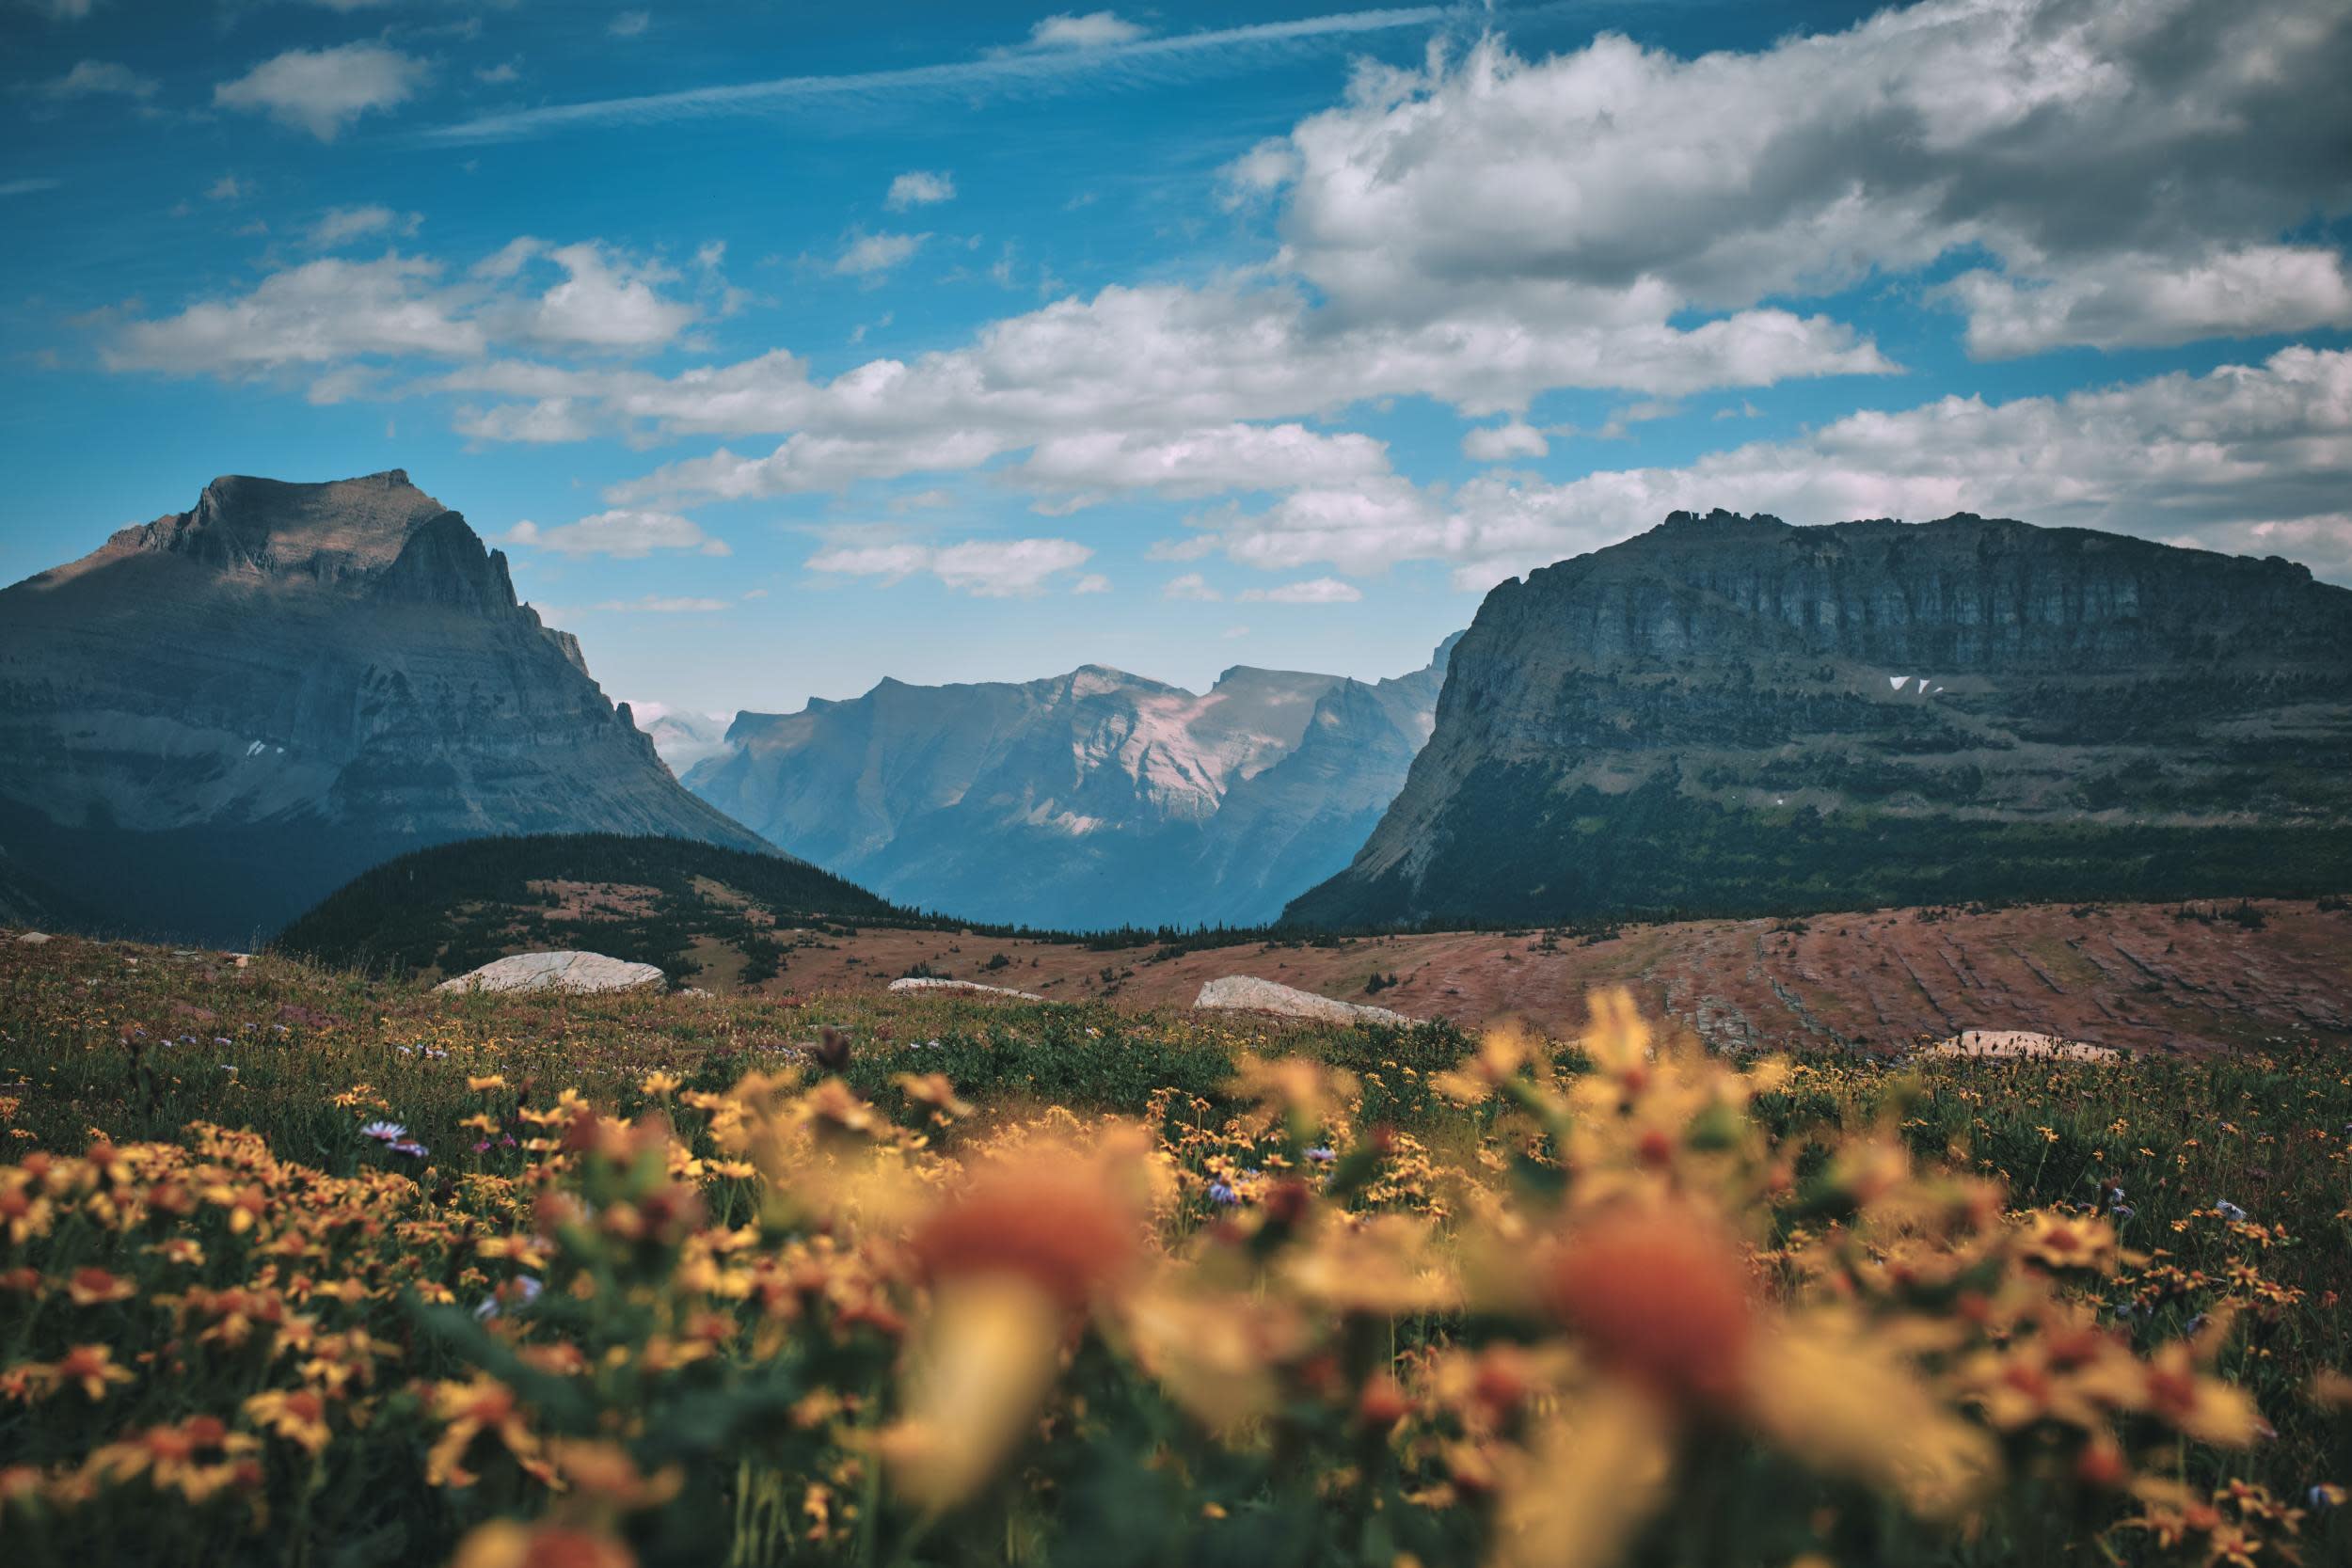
(1012, 66)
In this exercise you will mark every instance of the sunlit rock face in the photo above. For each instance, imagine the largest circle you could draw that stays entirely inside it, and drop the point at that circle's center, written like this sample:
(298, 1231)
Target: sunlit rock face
(216, 718)
(1090, 799)
(1730, 714)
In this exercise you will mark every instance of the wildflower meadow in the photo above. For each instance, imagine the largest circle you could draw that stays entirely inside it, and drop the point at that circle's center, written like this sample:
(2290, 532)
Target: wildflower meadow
(300, 1268)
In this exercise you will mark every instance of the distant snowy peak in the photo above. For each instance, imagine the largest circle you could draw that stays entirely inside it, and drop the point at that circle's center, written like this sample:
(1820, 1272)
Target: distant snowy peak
(1086, 798)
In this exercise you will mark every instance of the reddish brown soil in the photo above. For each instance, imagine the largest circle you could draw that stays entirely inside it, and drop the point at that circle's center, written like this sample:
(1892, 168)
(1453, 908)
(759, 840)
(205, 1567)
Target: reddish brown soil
(2137, 976)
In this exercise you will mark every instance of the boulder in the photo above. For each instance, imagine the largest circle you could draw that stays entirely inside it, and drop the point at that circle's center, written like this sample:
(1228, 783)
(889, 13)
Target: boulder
(34, 939)
(568, 971)
(1246, 993)
(924, 983)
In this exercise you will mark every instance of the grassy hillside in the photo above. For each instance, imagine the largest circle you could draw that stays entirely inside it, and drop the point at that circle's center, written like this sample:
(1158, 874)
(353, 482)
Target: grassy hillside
(674, 903)
(300, 1266)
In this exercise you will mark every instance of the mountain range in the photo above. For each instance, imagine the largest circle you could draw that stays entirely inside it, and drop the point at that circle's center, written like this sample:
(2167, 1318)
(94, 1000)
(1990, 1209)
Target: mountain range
(216, 718)
(1088, 800)
(1731, 715)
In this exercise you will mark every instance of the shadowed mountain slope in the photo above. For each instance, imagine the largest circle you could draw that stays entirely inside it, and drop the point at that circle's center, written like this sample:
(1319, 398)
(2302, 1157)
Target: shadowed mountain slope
(1729, 714)
(215, 718)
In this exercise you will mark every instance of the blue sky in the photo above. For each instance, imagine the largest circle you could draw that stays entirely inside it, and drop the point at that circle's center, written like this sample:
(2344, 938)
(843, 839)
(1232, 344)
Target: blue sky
(784, 348)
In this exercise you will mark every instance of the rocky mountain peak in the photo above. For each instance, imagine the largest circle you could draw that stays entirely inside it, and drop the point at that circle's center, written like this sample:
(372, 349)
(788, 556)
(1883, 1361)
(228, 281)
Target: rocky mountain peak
(269, 691)
(328, 534)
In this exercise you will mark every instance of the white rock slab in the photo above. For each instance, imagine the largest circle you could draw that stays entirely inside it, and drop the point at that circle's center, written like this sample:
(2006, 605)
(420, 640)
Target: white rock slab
(567, 971)
(1248, 994)
(34, 939)
(918, 982)
(2005, 1043)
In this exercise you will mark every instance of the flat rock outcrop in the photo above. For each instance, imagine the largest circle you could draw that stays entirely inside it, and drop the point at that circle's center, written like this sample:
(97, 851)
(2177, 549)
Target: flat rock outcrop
(914, 983)
(216, 718)
(1731, 716)
(568, 971)
(1244, 993)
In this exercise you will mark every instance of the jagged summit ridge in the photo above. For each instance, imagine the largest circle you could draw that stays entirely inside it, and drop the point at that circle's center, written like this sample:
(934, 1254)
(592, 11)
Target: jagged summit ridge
(1094, 797)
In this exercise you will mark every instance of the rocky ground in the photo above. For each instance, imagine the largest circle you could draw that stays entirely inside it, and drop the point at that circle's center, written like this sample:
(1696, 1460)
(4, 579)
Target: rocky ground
(2138, 976)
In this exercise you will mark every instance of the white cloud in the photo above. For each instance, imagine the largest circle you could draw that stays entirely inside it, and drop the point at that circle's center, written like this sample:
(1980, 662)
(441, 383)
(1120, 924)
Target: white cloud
(2249, 458)
(499, 74)
(318, 313)
(919, 188)
(1093, 582)
(871, 255)
(607, 302)
(1193, 586)
(985, 569)
(547, 422)
(27, 187)
(511, 257)
(228, 188)
(96, 78)
(330, 311)
(1499, 443)
(1091, 31)
(1199, 462)
(629, 24)
(322, 90)
(1312, 591)
(626, 534)
(2140, 301)
(341, 225)
(2060, 137)
(1133, 374)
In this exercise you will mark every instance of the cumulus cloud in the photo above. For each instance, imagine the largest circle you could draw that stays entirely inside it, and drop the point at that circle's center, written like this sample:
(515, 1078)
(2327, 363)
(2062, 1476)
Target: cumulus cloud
(1502, 443)
(626, 534)
(919, 188)
(985, 569)
(1124, 380)
(339, 226)
(872, 255)
(629, 24)
(2249, 458)
(323, 90)
(1192, 585)
(2075, 143)
(330, 311)
(1312, 591)
(100, 78)
(1093, 582)
(321, 312)
(1090, 31)
(1094, 464)
(2146, 300)
(607, 302)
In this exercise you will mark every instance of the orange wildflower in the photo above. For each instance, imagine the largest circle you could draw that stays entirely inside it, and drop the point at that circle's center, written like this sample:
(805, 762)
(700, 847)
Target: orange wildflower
(91, 1368)
(1663, 1296)
(95, 1287)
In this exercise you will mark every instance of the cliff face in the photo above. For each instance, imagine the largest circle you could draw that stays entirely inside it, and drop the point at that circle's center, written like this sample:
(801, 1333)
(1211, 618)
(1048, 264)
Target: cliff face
(1094, 799)
(1729, 715)
(218, 717)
